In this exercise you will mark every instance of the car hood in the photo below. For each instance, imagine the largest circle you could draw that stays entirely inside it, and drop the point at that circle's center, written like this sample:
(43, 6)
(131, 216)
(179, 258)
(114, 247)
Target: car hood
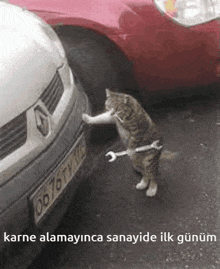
(28, 61)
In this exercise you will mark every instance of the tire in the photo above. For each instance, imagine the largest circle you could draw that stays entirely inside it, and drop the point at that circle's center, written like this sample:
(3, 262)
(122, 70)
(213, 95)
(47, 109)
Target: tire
(97, 63)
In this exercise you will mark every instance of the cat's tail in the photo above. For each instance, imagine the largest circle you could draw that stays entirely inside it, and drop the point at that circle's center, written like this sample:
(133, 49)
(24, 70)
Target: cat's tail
(169, 155)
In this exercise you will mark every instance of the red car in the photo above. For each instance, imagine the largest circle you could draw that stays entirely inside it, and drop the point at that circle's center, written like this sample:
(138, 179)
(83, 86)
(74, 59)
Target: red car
(171, 43)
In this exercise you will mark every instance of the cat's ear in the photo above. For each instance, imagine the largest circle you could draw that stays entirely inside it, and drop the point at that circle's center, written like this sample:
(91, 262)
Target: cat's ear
(108, 92)
(126, 99)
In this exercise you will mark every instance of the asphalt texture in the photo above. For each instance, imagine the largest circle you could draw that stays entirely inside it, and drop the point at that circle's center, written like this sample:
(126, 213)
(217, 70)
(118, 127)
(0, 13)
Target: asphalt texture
(185, 209)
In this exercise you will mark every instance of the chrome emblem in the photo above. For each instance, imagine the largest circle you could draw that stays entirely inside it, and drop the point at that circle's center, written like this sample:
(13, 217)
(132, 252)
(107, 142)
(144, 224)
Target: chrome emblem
(41, 121)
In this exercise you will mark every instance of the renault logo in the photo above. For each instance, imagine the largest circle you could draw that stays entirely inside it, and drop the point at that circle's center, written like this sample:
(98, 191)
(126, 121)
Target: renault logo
(41, 120)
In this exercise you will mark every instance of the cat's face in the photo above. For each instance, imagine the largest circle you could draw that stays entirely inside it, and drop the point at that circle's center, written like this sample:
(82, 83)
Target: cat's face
(119, 105)
(113, 99)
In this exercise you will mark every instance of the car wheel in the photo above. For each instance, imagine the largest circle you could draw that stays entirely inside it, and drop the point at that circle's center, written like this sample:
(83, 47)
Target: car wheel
(97, 63)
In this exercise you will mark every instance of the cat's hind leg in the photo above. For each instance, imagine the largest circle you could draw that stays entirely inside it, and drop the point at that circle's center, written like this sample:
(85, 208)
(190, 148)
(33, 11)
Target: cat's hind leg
(151, 164)
(152, 189)
(138, 166)
(142, 184)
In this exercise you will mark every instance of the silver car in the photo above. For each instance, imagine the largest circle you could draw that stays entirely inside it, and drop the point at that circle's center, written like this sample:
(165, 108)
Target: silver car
(42, 136)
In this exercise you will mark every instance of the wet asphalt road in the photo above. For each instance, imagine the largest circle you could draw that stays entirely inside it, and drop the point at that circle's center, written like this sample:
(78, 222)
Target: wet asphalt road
(187, 202)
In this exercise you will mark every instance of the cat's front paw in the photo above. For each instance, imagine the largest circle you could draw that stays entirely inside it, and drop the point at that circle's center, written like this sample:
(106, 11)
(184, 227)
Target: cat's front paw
(86, 118)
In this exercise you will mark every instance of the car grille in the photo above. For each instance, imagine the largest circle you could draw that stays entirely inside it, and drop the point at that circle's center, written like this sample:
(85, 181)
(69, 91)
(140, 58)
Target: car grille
(53, 93)
(13, 135)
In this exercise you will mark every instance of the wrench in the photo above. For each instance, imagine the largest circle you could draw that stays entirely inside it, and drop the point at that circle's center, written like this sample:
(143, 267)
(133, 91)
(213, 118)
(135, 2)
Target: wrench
(114, 155)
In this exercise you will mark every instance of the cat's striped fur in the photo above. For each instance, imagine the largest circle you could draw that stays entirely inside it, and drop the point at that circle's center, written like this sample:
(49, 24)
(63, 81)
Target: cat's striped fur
(136, 129)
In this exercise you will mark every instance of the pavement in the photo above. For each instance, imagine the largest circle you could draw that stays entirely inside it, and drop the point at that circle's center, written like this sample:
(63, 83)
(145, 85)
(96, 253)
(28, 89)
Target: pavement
(176, 229)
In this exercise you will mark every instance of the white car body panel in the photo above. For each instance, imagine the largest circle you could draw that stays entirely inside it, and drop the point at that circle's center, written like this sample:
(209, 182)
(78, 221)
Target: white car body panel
(40, 121)
(25, 50)
(30, 55)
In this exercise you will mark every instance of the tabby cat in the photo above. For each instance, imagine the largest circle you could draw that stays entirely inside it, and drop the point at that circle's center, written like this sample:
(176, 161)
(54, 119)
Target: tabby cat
(136, 129)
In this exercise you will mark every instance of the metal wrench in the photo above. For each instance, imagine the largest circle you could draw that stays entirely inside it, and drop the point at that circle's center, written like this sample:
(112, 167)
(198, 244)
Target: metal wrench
(114, 155)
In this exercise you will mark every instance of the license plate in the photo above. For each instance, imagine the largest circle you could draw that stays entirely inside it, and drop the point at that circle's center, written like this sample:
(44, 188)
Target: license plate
(47, 194)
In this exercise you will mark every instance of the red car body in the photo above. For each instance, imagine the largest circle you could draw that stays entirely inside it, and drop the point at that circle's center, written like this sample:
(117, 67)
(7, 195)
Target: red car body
(165, 54)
